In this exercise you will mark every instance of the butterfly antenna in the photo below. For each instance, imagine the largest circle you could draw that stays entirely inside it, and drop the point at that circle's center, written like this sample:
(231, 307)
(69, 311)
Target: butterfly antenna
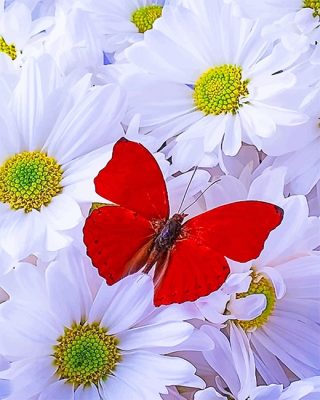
(186, 191)
(212, 183)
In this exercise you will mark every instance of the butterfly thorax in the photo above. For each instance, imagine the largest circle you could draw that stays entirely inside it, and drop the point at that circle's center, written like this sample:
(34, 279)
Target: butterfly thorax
(167, 235)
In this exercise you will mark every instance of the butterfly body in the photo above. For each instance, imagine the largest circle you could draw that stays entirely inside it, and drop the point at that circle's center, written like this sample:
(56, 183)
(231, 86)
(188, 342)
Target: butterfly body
(136, 233)
(169, 232)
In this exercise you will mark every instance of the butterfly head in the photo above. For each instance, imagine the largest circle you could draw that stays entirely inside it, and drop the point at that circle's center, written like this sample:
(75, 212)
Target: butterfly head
(179, 217)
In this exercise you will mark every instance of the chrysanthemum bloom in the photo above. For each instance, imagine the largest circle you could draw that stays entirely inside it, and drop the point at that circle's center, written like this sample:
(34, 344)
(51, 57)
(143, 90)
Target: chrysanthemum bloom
(303, 166)
(276, 302)
(295, 22)
(53, 133)
(123, 23)
(71, 336)
(235, 378)
(19, 34)
(215, 86)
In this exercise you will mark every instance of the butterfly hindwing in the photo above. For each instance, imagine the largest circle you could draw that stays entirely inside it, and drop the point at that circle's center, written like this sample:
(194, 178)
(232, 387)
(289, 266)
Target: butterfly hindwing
(236, 230)
(190, 271)
(133, 180)
(117, 241)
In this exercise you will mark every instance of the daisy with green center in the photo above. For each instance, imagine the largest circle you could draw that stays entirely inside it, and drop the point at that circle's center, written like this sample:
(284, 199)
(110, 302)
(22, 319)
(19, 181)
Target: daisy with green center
(273, 299)
(124, 23)
(209, 87)
(93, 342)
(54, 134)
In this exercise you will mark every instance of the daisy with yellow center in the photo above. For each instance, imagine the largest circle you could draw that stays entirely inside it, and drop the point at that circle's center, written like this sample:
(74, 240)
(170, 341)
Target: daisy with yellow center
(220, 90)
(88, 345)
(273, 299)
(123, 24)
(20, 34)
(144, 17)
(47, 167)
(209, 88)
(85, 355)
(294, 23)
(259, 285)
(29, 180)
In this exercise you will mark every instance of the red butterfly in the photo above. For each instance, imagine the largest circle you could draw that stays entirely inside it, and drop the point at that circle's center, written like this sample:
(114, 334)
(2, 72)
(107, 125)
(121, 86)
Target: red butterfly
(137, 232)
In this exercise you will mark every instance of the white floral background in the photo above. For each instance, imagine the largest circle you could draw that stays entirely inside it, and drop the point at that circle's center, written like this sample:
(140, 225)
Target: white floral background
(228, 86)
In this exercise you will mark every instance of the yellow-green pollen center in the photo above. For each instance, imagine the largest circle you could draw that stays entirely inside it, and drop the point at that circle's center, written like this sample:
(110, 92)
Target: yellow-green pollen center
(29, 180)
(9, 49)
(314, 4)
(86, 354)
(144, 17)
(220, 90)
(259, 285)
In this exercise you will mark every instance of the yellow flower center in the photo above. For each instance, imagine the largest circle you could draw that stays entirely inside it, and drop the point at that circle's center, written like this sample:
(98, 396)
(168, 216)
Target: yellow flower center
(220, 90)
(29, 180)
(85, 354)
(144, 17)
(314, 4)
(259, 285)
(9, 49)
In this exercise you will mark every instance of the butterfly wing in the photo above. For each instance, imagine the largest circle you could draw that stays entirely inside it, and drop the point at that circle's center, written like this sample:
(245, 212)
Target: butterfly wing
(117, 241)
(236, 230)
(196, 265)
(189, 272)
(133, 179)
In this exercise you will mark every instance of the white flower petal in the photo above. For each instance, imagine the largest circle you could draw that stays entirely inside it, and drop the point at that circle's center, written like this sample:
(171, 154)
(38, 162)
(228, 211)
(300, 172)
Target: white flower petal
(169, 334)
(57, 390)
(248, 308)
(134, 293)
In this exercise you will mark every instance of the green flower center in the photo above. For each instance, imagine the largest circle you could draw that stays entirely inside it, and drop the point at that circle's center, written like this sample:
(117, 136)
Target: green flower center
(314, 4)
(259, 285)
(9, 49)
(29, 180)
(86, 354)
(144, 17)
(220, 89)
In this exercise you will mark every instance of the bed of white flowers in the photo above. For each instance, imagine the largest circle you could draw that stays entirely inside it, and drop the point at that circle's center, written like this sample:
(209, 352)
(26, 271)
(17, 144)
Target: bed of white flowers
(223, 90)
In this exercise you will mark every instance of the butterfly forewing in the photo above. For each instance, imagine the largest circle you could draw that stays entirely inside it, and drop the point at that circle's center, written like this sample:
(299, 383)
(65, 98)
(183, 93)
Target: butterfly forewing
(133, 179)
(236, 230)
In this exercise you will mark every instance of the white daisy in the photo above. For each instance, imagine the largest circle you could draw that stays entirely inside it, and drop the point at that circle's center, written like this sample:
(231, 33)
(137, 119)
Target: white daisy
(303, 166)
(124, 23)
(54, 134)
(20, 35)
(73, 337)
(295, 22)
(230, 372)
(216, 87)
(233, 367)
(275, 298)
